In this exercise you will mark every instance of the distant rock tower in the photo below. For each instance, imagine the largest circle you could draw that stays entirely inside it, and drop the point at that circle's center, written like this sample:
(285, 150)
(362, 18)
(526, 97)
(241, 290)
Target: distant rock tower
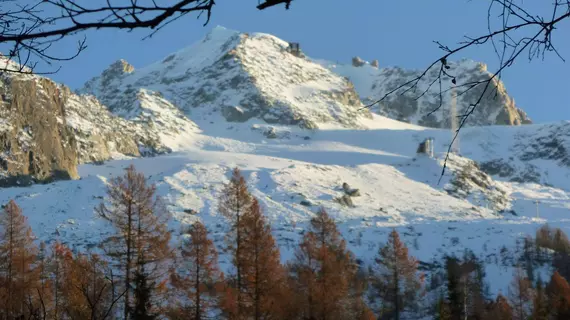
(294, 49)
(426, 147)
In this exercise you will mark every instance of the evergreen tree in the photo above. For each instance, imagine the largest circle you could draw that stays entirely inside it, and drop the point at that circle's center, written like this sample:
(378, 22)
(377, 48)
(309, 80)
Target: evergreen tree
(442, 310)
(142, 309)
(397, 282)
(466, 290)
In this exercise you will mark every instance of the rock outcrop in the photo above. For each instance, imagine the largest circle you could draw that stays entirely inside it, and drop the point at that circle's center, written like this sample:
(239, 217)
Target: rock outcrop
(415, 106)
(46, 130)
(36, 145)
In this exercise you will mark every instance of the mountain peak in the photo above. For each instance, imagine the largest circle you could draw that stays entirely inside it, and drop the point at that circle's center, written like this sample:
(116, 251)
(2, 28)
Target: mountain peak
(120, 66)
(241, 76)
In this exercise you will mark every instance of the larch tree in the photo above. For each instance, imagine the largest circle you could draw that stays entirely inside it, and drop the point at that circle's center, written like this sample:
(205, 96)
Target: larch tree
(323, 270)
(195, 279)
(540, 309)
(558, 292)
(60, 271)
(520, 295)
(358, 308)
(500, 309)
(45, 287)
(140, 243)
(235, 200)
(263, 276)
(19, 278)
(397, 281)
(93, 291)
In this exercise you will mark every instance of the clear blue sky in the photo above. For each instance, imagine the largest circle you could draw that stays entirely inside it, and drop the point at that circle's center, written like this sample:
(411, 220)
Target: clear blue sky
(397, 33)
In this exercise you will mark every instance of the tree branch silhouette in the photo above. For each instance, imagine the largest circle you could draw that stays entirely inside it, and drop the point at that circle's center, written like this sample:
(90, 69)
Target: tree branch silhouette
(519, 32)
(29, 28)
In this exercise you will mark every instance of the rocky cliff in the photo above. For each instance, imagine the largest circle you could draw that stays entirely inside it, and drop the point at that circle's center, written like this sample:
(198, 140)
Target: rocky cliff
(414, 106)
(46, 130)
(35, 142)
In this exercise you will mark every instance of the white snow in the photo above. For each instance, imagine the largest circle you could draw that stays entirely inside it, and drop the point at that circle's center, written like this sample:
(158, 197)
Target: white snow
(398, 190)
(377, 155)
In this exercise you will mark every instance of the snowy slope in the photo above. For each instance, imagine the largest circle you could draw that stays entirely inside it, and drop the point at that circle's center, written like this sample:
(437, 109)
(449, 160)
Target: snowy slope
(240, 76)
(398, 189)
(241, 100)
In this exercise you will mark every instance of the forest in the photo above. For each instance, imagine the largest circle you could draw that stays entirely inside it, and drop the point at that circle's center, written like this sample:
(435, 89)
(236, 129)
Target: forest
(136, 273)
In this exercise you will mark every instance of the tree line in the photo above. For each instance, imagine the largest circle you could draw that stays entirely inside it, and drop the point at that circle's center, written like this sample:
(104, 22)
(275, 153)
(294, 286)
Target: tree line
(137, 274)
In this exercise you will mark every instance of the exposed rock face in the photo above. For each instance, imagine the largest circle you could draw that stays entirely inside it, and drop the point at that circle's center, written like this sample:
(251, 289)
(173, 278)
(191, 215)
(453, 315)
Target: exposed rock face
(46, 130)
(496, 107)
(502, 168)
(375, 63)
(357, 62)
(35, 142)
(241, 76)
(550, 142)
(470, 181)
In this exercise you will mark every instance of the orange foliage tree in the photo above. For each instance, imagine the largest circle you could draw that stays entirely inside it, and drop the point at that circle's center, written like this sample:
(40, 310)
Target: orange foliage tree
(196, 278)
(235, 200)
(19, 277)
(324, 271)
(263, 276)
(397, 281)
(558, 292)
(140, 245)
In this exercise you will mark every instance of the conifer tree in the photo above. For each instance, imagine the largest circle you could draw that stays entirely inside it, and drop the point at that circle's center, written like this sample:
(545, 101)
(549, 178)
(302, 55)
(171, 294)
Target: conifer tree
(263, 275)
(235, 200)
(45, 288)
(442, 310)
(558, 292)
(397, 281)
(520, 295)
(196, 277)
(540, 303)
(19, 278)
(139, 217)
(358, 309)
(60, 270)
(94, 291)
(466, 290)
(142, 309)
(323, 270)
(500, 309)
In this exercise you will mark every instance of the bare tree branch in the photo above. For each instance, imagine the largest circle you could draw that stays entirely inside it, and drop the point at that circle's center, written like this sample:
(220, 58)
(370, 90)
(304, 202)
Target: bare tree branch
(519, 32)
(29, 28)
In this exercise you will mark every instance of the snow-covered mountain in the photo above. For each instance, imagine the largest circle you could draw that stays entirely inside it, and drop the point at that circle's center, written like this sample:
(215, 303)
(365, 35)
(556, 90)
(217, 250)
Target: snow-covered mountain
(294, 128)
(416, 105)
(240, 76)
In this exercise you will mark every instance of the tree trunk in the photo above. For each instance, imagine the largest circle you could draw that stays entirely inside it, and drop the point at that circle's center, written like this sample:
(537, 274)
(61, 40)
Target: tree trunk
(129, 261)
(198, 302)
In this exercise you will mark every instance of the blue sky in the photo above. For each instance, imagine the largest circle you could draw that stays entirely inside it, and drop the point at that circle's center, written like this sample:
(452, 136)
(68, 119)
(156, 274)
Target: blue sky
(397, 33)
